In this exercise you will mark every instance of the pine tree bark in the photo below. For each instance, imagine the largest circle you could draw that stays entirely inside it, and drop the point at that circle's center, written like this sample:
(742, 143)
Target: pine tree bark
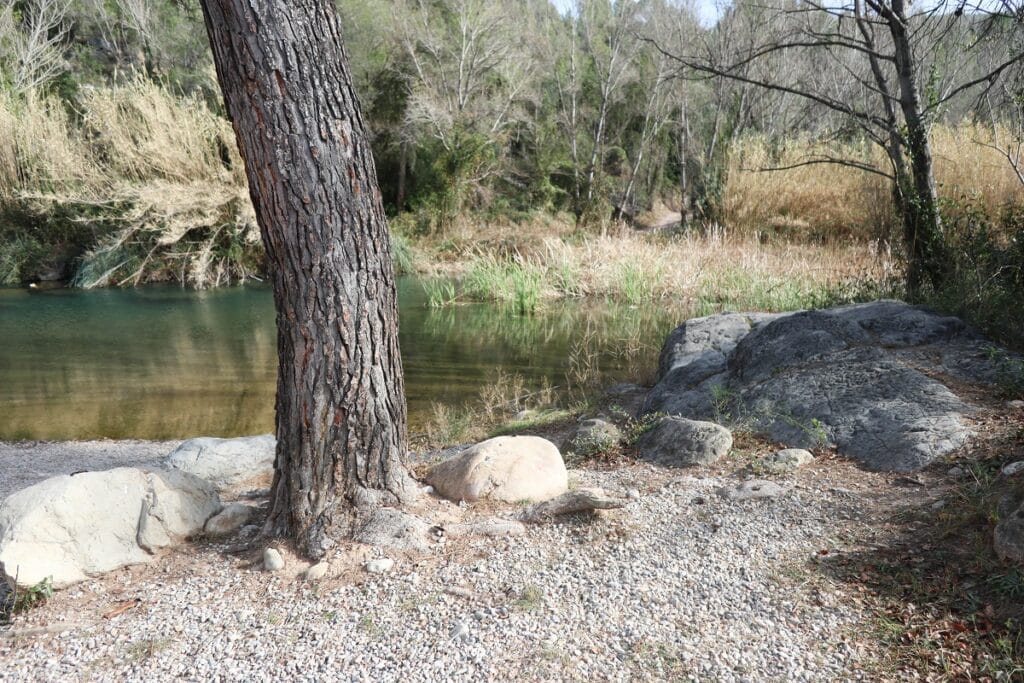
(341, 413)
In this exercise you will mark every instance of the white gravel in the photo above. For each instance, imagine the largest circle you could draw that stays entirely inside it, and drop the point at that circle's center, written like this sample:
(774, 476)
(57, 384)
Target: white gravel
(679, 585)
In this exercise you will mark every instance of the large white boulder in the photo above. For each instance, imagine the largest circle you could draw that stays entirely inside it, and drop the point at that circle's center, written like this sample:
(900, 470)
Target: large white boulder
(70, 527)
(507, 468)
(228, 464)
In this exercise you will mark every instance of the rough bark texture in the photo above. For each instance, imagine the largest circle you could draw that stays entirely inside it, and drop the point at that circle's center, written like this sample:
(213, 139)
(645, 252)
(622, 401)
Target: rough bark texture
(341, 414)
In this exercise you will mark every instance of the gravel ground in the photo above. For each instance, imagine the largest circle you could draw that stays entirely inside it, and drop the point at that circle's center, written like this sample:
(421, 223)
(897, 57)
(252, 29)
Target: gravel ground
(682, 584)
(23, 463)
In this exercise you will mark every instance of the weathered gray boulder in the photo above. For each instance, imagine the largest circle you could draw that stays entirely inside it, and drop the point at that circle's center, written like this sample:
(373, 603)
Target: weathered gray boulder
(68, 528)
(592, 436)
(678, 442)
(786, 460)
(1009, 534)
(506, 468)
(865, 378)
(228, 464)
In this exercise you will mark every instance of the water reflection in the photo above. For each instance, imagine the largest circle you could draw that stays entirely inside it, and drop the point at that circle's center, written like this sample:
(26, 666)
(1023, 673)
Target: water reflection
(162, 363)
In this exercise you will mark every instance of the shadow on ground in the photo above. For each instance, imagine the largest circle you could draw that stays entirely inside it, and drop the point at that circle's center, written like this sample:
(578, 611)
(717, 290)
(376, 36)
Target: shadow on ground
(945, 605)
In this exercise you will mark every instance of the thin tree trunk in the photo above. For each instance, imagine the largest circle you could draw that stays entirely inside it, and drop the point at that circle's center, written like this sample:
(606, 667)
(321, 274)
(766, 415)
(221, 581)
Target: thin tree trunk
(403, 161)
(341, 414)
(921, 220)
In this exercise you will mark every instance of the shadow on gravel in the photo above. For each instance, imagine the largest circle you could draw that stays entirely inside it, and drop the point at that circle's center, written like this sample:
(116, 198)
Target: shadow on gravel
(946, 606)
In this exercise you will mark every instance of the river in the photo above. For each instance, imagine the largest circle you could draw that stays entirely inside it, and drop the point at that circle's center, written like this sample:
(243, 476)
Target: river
(170, 363)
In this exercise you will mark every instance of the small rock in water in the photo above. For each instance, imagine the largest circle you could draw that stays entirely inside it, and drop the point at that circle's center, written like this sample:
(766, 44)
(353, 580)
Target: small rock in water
(317, 571)
(272, 560)
(1013, 468)
(380, 566)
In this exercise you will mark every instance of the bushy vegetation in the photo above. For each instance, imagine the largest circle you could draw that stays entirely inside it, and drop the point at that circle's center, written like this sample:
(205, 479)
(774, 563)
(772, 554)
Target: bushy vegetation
(512, 144)
(135, 185)
(986, 279)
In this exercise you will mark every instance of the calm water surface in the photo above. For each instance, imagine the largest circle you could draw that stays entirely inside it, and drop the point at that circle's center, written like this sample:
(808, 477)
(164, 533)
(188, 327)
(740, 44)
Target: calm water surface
(165, 362)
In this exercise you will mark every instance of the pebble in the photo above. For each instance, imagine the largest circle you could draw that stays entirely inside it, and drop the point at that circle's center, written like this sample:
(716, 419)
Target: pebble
(272, 560)
(379, 566)
(1013, 468)
(317, 571)
(659, 590)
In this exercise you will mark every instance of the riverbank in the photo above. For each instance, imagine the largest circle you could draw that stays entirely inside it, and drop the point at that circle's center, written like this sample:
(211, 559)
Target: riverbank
(681, 584)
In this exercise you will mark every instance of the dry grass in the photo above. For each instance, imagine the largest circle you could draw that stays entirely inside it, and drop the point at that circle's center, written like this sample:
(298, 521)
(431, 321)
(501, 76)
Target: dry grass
(711, 271)
(154, 178)
(829, 200)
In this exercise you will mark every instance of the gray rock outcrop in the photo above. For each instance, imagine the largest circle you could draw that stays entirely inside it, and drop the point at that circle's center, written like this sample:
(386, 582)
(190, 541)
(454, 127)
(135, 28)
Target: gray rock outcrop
(865, 378)
(68, 528)
(229, 464)
(679, 442)
(592, 436)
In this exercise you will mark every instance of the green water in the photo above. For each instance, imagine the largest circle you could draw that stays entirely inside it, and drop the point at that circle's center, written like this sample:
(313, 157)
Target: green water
(166, 363)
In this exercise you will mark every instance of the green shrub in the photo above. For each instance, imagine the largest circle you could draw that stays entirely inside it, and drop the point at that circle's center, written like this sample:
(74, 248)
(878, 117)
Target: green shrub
(985, 283)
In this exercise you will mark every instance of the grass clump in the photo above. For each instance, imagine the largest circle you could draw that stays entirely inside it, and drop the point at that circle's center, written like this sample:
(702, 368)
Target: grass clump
(516, 282)
(20, 600)
(504, 405)
(985, 281)
(531, 598)
(440, 292)
(141, 185)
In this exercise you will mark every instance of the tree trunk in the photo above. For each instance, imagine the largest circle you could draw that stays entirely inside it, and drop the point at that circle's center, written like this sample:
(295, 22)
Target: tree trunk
(341, 414)
(403, 160)
(922, 224)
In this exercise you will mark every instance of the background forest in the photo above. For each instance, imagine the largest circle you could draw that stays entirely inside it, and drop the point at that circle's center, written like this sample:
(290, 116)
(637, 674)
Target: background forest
(523, 149)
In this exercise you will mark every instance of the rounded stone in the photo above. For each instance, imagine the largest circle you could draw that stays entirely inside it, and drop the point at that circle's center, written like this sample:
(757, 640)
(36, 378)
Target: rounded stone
(273, 561)
(678, 442)
(511, 469)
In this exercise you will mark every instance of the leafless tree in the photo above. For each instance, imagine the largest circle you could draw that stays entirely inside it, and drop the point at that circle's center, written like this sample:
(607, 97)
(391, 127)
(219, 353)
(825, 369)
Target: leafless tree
(33, 44)
(898, 80)
(469, 74)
